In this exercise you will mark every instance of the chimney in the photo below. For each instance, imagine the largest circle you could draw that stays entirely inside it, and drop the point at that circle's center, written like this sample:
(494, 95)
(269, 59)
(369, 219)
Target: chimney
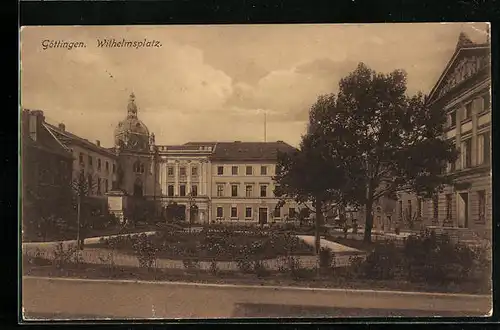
(98, 143)
(62, 127)
(36, 119)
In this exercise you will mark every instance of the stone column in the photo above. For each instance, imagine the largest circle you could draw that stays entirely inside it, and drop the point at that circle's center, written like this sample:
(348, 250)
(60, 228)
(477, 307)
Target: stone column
(188, 176)
(202, 177)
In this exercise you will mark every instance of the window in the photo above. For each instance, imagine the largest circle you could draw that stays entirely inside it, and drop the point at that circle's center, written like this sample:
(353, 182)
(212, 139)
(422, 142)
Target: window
(170, 171)
(453, 166)
(98, 164)
(420, 208)
(80, 158)
(486, 100)
(107, 166)
(448, 206)
(277, 212)
(248, 212)
(409, 209)
(106, 185)
(435, 207)
(182, 171)
(194, 190)
(194, 170)
(400, 207)
(234, 170)
(481, 198)
(138, 167)
(453, 118)
(291, 212)
(263, 191)
(466, 153)
(468, 111)
(114, 168)
(483, 148)
(234, 212)
(249, 170)
(248, 191)
(263, 170)
(90, 160)
(90, 183)
(220, 190)
(98, 186)
(220, 212)
(170, 190)
(234, 190)
(183, 190)
(220, 170)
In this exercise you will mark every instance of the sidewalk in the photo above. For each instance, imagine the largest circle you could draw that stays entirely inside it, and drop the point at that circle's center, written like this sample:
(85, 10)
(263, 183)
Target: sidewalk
(337, 248)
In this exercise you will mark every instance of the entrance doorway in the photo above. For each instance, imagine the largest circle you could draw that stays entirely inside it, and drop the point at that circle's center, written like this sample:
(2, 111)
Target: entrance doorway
(463, 210)
(262, 215)
(193, 215)
(138, 188)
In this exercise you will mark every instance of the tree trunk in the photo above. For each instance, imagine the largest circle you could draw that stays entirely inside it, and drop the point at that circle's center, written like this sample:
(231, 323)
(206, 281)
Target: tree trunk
(319, 220)
(368, 221)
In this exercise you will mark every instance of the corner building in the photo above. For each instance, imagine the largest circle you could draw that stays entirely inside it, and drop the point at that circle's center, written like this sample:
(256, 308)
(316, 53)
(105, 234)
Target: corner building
(463, 93)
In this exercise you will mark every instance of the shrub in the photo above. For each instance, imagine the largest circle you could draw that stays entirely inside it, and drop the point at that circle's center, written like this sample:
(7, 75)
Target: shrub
(326, 258)
(146, 251)
(260, 269)
(191, 264)
(383, 263)
(214, 268)
(64, 257)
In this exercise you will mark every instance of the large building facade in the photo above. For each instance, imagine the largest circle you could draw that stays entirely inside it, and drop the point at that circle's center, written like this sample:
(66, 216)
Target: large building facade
(463, 93)
(224, 182)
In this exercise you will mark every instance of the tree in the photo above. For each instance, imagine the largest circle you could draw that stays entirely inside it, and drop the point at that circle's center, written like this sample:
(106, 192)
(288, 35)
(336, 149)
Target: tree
(82, 187)
(311, 175)
(384, 139)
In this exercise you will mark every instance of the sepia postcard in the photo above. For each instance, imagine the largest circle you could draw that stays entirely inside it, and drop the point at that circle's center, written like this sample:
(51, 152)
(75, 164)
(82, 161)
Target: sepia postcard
(255, 171)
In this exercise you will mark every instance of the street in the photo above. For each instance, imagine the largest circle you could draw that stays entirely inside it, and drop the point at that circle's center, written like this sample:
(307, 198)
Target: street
(56, 298)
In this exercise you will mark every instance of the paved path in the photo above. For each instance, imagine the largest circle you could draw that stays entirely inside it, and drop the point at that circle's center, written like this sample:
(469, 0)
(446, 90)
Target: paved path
(53, 297)
(335, 247)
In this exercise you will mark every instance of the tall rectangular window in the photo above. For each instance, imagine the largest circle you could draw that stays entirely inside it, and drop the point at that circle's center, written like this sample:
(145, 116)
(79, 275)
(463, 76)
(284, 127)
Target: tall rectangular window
(220, 170)
(234, 212)
(483, 148)
(80, 158)
(486, 104)
(107, 166)
(182, 171)
(182, 190)
(248, 191)
(234, 190)
(98, 186)
(194, 190)
(90, 160)
(194, 170)
(170, 171)
(400, 207)
(220, 212)
(277, 212)
(420, 208)
(481, 198)
(448, 206)
(248, 212)
(170, 190)
(263, 191)
(114, 168)
(249, 170)
(98, 164)
(291, 212)
(468, 110)
(466, 153)
(453, 118)
(435, 207)
(409, 209)
(220, 190)
(234, 170)
(106, 185)
(263, 170)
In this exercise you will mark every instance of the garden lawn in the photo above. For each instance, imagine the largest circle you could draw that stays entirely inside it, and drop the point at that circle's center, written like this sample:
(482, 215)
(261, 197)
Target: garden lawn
(218, 245)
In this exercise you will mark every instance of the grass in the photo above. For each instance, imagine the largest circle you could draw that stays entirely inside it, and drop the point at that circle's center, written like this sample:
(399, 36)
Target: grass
(337, 280)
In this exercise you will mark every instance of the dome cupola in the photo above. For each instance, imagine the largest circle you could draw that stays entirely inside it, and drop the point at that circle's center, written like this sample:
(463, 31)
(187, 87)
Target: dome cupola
(131, 133)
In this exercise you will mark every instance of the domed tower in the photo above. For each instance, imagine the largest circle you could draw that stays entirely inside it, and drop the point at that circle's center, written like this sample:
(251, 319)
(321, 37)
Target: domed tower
(131, 133)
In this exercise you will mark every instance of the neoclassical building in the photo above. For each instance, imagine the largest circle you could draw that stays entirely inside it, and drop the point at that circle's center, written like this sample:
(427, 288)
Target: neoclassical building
(217, 181)
(463, 92)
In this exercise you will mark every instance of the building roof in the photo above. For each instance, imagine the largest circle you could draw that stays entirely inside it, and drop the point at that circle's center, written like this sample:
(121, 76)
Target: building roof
(249, 151)
(68, 138)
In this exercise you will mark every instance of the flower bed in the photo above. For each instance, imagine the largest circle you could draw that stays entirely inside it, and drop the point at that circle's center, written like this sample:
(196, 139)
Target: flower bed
(211, 244)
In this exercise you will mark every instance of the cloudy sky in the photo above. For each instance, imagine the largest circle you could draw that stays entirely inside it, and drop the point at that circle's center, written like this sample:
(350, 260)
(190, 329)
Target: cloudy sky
(215, 82)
